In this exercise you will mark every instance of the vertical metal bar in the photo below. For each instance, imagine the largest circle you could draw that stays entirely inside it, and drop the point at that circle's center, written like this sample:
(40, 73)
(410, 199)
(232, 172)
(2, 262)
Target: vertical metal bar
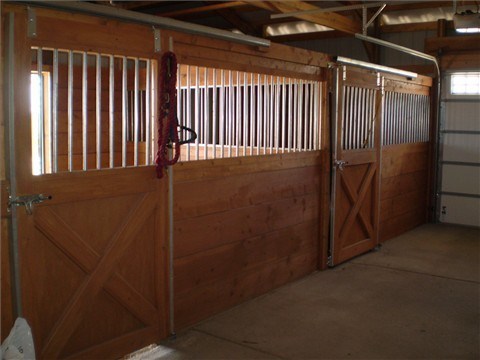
(394, 108)
(70, 110)
(10, 97)
(271, 102)
(385, 119)
(230, 112)
(252, 112)
(305, 117)
(214, 113)
(98, 110)
(284, 110)
(207, 115)
(245, 113)
(311, 116)
(369, 133)
(197, 112)
(84, 111)
(265, 113)
(353, 116)
(54, 128)
(148, 110)
(318, 95)
(111, 111)
(308, 118)
(277, 115)
(180, 113)
(238, 109)
(295, 114)
(188, 108)
(402, 118)
(136, 110)
(124, 111)
(41, 114)
(259, 113)
(363, 119)
(346, 117)
(222, 113)
(290, 114)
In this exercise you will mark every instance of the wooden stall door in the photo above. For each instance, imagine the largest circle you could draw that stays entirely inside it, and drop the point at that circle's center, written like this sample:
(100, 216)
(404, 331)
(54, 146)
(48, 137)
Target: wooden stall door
(356, 165)
(92, 259)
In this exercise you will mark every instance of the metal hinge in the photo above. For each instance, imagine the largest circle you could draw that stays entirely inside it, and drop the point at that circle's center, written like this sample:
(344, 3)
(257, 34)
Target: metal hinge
(330, 261)
(28, 201)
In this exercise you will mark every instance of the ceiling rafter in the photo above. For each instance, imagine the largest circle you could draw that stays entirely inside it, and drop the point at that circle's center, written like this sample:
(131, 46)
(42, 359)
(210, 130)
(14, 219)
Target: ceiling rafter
(329, 19)
(199, 9)
(233, 18)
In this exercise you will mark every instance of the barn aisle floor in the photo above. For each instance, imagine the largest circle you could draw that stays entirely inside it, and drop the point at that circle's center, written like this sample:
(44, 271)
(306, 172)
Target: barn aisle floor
(418, 297)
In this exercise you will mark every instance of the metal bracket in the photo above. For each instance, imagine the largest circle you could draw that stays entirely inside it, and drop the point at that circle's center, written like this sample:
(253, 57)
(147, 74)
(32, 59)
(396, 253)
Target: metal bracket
(330, 261)
(340, 164)
(32, 22)
(365, 23)
(28, 201)
(157, 41)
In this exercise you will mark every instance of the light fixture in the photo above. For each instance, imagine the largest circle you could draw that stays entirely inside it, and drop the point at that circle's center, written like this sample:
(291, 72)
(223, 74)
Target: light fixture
(467, 22)
(366, 65)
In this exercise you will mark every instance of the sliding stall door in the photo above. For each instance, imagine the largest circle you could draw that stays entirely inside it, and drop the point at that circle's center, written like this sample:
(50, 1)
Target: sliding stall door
(92, 258)
(356, 164)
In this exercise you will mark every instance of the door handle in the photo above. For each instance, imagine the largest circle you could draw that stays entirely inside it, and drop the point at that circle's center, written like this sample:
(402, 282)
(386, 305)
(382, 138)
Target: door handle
(339, 164)
(28, 201)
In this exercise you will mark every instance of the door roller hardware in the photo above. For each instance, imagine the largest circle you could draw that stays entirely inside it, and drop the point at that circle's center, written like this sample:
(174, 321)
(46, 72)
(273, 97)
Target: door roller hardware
(28, 201)
(340, 164)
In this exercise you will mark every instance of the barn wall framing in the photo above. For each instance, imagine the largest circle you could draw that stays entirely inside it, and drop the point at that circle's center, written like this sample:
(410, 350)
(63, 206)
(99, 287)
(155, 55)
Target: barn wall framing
(243, 225)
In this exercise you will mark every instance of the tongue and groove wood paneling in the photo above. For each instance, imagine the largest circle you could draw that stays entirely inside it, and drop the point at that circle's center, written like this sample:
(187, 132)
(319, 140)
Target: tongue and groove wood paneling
(404, 188)
(242, 231)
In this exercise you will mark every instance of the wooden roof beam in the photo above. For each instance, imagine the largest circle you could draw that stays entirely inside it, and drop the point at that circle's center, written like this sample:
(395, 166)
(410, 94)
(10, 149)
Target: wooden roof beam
(199, 9)
(329, 19)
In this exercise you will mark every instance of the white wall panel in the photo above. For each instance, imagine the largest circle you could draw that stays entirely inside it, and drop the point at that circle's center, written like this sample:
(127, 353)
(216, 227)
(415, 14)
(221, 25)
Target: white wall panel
(462, 116)
(460, 210)
(461, 179)
(461, 147)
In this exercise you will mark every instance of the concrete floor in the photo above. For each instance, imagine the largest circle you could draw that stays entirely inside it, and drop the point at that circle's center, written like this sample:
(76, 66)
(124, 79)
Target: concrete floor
(418, 297)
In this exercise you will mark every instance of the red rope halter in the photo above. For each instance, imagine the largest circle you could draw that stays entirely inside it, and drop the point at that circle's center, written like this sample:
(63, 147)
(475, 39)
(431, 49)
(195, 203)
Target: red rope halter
(167, 120)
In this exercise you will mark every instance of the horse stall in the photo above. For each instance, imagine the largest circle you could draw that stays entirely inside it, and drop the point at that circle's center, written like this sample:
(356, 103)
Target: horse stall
(299, 162)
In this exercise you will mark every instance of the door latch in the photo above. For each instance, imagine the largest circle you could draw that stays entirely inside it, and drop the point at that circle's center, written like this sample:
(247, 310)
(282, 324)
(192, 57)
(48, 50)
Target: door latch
(28, 201)
(340, 164)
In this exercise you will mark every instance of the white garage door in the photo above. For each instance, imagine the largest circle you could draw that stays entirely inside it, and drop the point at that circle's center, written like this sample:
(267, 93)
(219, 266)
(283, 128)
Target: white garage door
(460, 149)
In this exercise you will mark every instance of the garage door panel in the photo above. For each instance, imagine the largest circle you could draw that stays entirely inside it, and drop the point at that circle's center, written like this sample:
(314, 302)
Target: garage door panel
(462, 116)
(460, 210)
(461, 179)
(461, 147)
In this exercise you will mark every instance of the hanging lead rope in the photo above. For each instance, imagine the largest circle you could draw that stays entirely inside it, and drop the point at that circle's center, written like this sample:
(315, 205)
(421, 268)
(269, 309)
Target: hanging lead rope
(167, 120)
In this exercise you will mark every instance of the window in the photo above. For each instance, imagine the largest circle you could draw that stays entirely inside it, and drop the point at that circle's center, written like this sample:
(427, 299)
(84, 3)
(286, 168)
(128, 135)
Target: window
(465, 83)
(40, 124)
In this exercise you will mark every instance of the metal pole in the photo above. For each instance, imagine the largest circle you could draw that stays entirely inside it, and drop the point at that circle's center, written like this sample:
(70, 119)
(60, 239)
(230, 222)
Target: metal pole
(207, 115)
(98, 110)
(214, 113)
(70, 110)
(41, 126)
(54, 128)
(148, 113)
(10, 115)
(84, 111)
(111, 110)
(136, 110)
(334, 131)
(124, 112)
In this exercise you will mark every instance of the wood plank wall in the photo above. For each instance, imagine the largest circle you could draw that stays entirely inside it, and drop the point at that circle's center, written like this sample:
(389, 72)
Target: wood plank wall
(243, 226)
(404, 188)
